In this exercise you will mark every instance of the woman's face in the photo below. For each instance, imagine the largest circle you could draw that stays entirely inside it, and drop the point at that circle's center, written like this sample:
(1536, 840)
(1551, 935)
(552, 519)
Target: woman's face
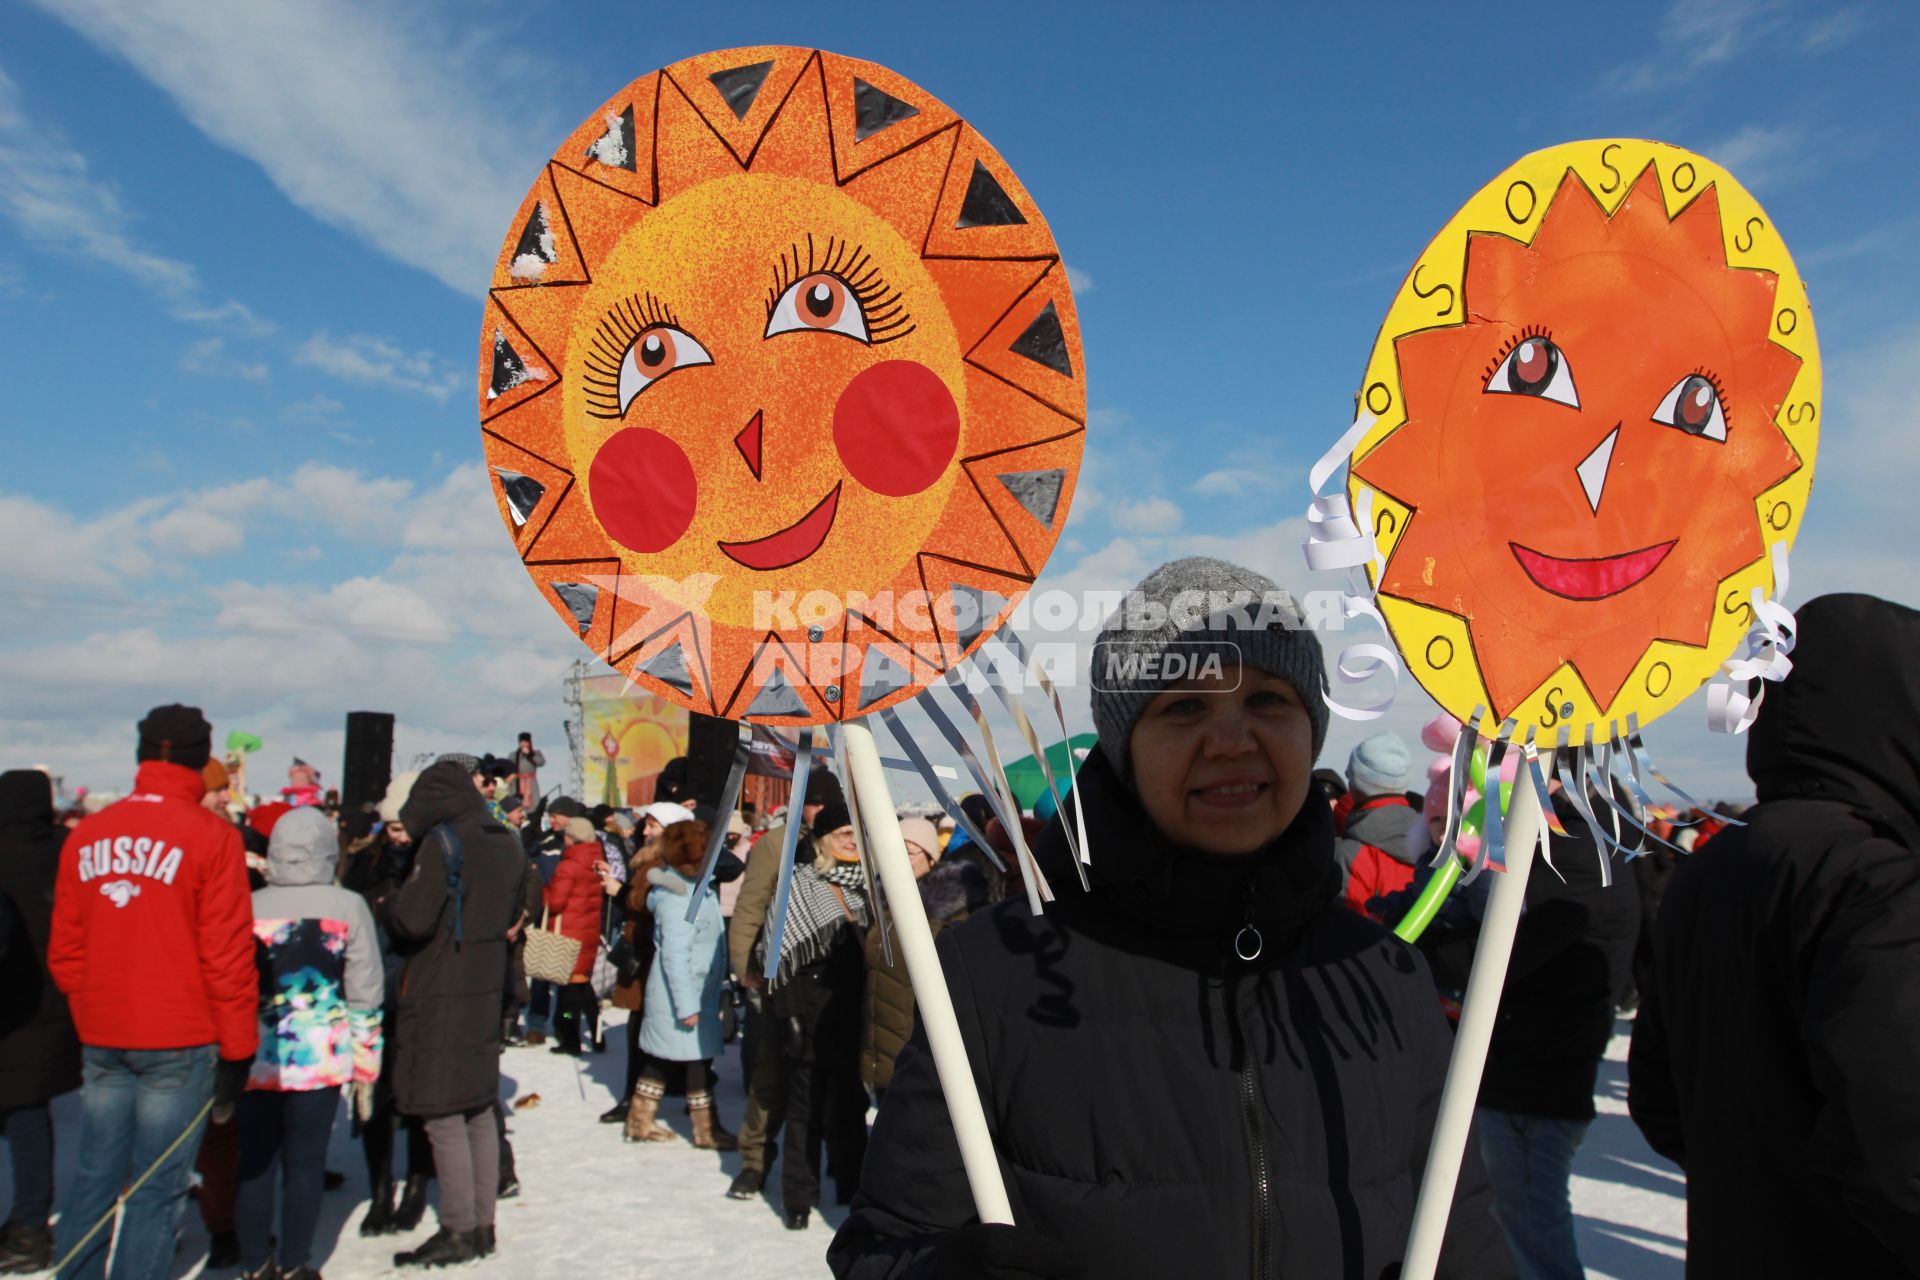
(839, 845)
(922, 860)
(1223, 763)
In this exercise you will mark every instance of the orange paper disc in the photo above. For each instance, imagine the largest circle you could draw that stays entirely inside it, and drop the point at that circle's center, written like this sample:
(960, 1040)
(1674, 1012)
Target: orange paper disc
(781, 385)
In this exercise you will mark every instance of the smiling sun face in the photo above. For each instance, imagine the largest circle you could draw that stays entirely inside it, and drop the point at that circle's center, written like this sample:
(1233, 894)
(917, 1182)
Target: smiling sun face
(1596, 453)
(780, 385)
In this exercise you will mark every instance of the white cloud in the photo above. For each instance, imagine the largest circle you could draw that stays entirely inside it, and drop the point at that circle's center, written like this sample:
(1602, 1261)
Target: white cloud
(316, 409)
(47, 192)
(1696, 34)
(1226, 482)
(417, 143)
(374, 361)
(234, 316)
(208, 356)
(1144, 515)
(1760, 154)
(440, 624)
(1079, 281)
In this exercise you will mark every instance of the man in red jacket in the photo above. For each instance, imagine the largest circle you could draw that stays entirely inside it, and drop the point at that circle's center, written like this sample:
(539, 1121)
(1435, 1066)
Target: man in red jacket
(152, 943)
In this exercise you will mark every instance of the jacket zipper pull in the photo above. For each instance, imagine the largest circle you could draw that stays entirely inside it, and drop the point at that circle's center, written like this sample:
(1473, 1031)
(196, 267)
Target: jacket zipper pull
(1247, 944)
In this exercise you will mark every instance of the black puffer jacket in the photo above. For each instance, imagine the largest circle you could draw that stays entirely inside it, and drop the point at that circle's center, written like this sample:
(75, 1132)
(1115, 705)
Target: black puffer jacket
(39, 1052)
(1777, 1052)
(1161, 1108)
(447, 1059)
(1570, 966)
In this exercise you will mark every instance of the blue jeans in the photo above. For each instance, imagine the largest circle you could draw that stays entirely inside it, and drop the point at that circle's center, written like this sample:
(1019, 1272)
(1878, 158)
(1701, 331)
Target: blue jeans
(1529, 1161)
(134, 1103)
(283, 1141)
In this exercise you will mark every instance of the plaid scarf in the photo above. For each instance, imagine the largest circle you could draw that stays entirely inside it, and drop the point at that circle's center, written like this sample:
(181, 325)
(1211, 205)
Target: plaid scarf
(815, 916)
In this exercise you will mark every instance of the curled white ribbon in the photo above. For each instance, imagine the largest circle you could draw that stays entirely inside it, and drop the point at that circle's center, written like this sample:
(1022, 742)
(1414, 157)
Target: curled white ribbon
(1340, 536)
(1768, 644)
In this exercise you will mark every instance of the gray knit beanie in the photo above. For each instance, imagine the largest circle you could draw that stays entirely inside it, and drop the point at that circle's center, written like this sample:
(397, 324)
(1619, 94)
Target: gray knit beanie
(1182, 613)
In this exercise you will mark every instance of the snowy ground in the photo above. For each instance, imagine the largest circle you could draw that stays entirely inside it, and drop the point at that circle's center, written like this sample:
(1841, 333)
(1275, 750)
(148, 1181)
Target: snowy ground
(594, 1206)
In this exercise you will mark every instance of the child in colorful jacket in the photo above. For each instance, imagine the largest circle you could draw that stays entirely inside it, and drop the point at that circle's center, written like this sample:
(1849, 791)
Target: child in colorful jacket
(321, 987)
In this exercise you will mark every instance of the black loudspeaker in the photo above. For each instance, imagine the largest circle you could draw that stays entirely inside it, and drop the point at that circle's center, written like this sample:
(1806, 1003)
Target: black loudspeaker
(369, 762)
(710, 742)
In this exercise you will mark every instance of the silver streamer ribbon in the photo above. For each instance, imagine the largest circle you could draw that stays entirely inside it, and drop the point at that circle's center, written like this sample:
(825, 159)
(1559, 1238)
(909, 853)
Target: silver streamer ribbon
(729, 803)
(789, 840)
(945, 798)
(1493, 825)
(1340, 537)
(875, 891)
(1010, 699)
(1080, 847)
(1457, 775)
(1039, 892)
(1638, 749)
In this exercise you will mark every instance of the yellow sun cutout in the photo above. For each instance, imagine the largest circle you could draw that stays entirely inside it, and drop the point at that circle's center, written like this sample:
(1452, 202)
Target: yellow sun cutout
(781, 385)
(1598, 399)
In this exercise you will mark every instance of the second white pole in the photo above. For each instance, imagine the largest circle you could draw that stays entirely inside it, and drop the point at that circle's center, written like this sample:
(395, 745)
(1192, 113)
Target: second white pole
(914, 937)
(1477, 1012)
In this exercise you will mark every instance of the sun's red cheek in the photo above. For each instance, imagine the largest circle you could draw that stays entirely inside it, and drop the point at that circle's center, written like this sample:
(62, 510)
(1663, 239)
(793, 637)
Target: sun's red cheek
(644, 491)
(896, 427)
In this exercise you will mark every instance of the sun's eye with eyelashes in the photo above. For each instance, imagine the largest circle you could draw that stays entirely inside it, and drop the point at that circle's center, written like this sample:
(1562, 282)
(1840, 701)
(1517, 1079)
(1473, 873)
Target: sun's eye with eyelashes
(638, 342)
(834, 288)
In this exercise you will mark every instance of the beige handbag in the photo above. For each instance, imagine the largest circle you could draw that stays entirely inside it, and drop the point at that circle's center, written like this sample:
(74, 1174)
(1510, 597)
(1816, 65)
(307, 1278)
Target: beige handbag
(550, 954)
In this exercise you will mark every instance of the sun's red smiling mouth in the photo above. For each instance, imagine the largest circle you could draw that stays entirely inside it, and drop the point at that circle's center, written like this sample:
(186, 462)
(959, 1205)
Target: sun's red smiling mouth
(792, 544)
(1593, 579)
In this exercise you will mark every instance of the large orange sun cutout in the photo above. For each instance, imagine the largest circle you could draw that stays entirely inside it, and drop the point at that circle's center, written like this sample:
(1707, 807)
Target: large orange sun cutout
(781, 385)
(1598, 396)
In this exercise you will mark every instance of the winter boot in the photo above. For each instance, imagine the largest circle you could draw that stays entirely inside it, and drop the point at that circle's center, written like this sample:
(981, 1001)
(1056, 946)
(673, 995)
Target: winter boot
(617, 1113)
(510, 1037)
(640, 1115)
(412, 1207)
(484, 1241)
(707, 1133)
(25, 1248)
(747, 1184)
(379, 1219)
(443, 1248)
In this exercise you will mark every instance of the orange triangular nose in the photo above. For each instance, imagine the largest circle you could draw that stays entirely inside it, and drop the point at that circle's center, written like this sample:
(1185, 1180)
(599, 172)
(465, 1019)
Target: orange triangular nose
(748, 443)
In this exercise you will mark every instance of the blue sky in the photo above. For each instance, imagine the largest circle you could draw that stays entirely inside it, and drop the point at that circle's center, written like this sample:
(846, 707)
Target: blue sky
(242, 250)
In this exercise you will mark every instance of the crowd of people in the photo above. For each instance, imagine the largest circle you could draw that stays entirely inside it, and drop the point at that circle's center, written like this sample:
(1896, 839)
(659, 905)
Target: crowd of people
(1216, 1060)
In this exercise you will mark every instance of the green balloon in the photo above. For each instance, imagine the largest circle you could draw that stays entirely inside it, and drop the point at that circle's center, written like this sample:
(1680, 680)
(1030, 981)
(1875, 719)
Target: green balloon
(1477, 770)
(1470, 820)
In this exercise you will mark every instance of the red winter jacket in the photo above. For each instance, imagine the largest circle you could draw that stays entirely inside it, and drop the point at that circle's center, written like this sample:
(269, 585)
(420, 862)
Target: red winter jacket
(153, 923)
(576, 897)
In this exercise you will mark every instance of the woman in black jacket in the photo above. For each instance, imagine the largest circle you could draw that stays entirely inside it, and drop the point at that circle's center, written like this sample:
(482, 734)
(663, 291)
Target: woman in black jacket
(1206, 1066)
(39, 1052)
(465, 893)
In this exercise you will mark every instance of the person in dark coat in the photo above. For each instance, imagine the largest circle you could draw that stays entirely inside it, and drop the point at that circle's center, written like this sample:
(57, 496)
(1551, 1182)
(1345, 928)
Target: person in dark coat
(1776, 1056)
(816, 994)
(39, 1052)
(1206, 1066)
(376, 873)
(1571, 964)
(463, 896)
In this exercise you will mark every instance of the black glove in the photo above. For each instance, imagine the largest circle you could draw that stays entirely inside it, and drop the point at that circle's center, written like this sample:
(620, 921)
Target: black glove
(993, 1252)
(229, 1082)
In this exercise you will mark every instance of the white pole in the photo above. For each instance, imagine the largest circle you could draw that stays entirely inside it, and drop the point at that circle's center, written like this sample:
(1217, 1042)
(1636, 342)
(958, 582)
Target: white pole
(915, 939)
(1477, 1012)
